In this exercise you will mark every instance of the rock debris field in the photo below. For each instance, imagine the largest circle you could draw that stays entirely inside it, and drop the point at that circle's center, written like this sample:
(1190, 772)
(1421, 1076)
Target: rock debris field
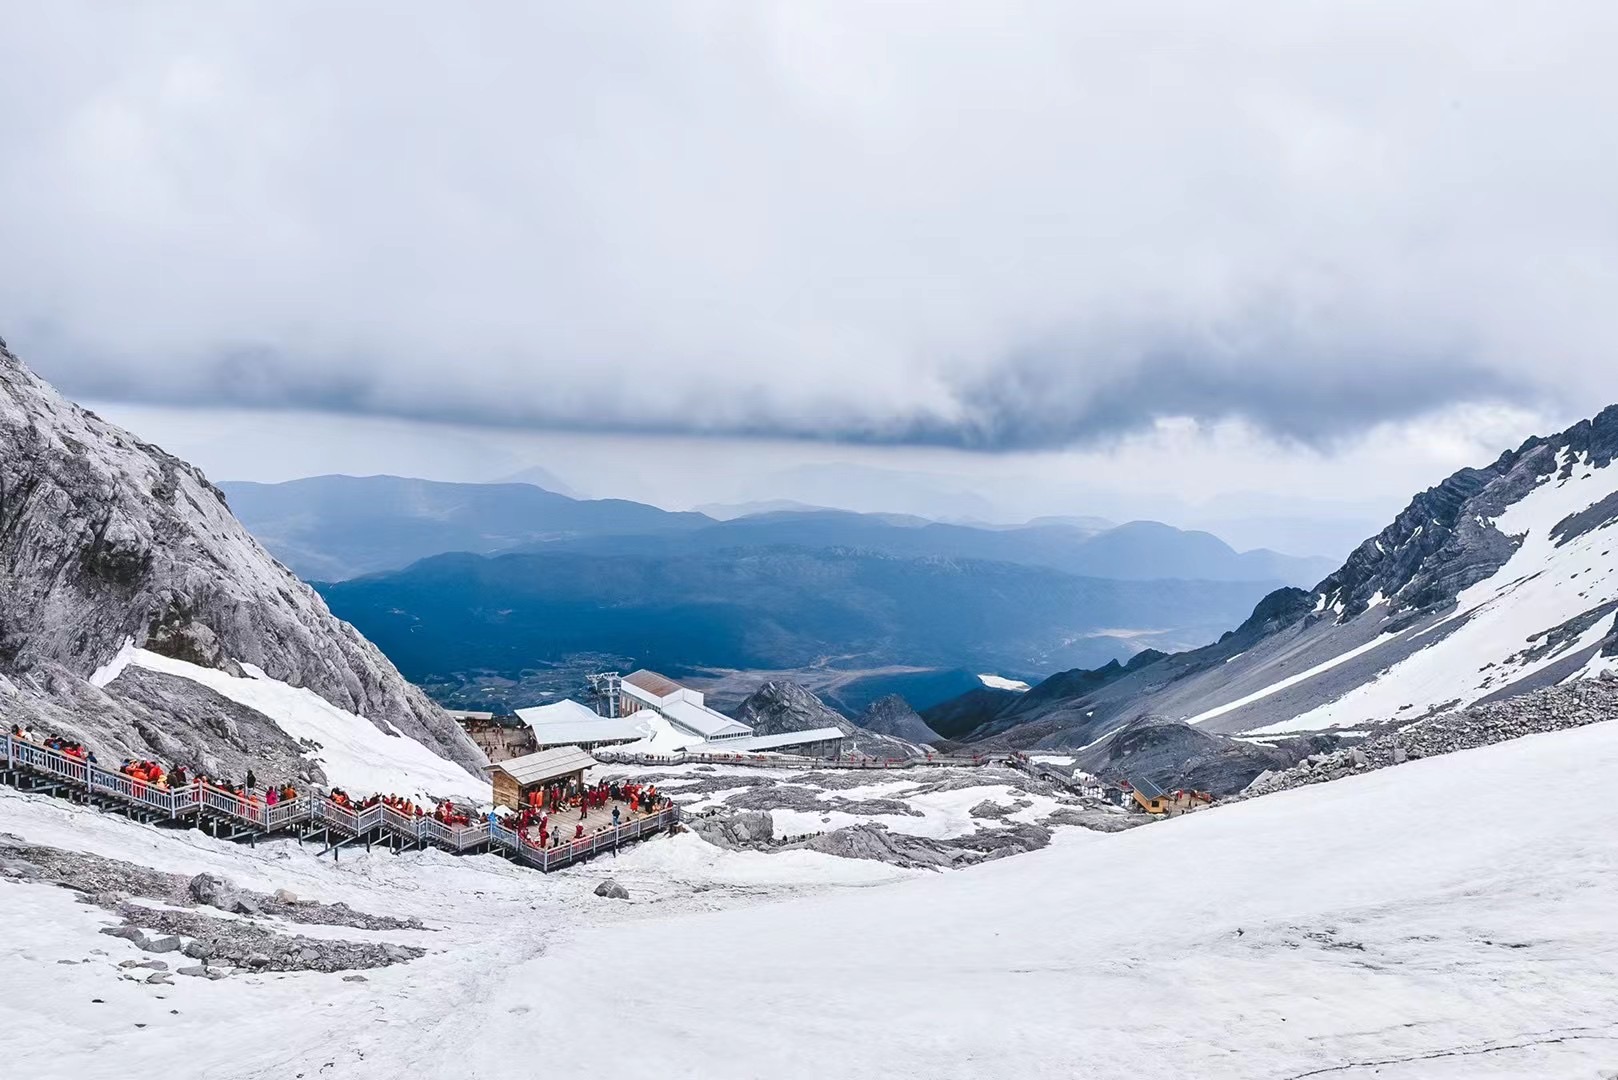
(937, 818)
(1557, 708)
(204, 925)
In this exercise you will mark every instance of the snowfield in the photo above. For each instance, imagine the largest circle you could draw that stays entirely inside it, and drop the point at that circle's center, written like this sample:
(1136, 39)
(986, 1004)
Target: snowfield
(1443, 919)
(354, 753)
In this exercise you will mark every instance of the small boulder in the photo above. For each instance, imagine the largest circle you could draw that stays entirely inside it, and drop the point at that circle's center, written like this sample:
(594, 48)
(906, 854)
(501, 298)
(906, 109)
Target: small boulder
(168, 943)
(612, 890)
(207, 889)
(154, 965)
(258, 960)
(245, 905)
(128, 933)
(159, 977)
(355, 978)
(198, 949)
(309, 955)
(285, 896)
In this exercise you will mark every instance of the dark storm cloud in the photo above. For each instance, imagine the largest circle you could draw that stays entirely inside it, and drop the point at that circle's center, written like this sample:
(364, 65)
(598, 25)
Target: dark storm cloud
(1033, 225)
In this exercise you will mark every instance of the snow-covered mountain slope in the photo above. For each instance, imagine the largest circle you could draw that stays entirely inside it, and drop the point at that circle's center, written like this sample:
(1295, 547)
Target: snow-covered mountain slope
(1497, 581)
(107, 540)
(1544, 615)
(1264, 939)
(350, 753)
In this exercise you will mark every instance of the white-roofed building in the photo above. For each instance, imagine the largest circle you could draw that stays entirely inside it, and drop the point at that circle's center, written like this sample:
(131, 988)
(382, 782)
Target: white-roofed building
(679, 705)
(684, 722)
(817, 742)
(568, 723)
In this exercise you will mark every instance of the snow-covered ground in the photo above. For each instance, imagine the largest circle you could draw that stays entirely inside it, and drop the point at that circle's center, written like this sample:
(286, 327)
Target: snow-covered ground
(353, 752)
(940, 815)
(1438, 919)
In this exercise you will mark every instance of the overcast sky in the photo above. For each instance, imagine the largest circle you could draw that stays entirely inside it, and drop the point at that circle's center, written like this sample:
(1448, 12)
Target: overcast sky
(1309, 249)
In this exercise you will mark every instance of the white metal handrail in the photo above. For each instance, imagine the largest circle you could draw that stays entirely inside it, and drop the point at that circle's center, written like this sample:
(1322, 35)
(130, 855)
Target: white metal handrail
(614, 757)
(318, 807)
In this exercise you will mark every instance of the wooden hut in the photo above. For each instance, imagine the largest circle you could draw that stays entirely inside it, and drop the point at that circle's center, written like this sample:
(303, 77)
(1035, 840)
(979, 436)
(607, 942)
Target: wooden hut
(516, 777)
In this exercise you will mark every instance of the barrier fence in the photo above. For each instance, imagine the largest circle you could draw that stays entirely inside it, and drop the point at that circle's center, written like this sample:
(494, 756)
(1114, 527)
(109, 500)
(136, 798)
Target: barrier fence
(783, 761)
(315, 810)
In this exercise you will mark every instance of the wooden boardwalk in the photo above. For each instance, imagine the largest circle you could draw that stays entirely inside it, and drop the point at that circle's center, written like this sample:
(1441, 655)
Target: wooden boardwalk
(311, 815)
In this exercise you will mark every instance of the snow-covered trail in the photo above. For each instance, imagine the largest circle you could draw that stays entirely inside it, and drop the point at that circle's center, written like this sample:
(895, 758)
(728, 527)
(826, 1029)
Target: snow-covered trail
(1446, 918)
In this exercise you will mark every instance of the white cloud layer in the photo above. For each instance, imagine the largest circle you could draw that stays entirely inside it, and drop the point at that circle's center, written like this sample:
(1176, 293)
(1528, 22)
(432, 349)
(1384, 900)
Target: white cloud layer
(1010, 225)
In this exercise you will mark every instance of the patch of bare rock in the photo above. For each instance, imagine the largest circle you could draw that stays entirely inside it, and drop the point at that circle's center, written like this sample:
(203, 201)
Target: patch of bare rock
(182, 921)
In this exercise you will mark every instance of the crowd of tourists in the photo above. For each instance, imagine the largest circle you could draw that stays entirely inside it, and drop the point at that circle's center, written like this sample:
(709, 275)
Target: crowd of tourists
(446, 812)
(61, 744)
(533, 822)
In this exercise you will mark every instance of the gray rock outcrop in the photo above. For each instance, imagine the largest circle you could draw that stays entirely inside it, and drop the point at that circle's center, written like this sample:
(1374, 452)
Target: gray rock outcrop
(892, 715)
(877, 842)
(612, 890)
(733, 831)
(781, 706)
(106, 539)
(1173, 754)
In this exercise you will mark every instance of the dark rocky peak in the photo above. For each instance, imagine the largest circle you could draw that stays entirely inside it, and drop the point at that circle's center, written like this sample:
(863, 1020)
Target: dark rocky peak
(1445, 540)
(892, 715)
(1277, 611)
(1077, 682)
(781, 706)
(960, 716)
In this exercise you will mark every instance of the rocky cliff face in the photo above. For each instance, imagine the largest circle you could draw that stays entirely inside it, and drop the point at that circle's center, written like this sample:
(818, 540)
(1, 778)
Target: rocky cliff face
(780, 706)
(892, 715)
(1445, 540)
(1495, 583)
(106, 539)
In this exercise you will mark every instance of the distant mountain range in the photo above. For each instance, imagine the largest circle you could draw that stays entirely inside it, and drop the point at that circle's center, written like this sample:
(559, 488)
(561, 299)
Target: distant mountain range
(457, 582)
(1501, 580)
(331, 528)
(768, 607)
(328, 528)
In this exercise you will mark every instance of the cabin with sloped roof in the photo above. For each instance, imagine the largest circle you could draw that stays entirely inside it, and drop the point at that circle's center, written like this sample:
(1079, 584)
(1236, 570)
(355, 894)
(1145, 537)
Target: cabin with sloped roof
(515, 779)
(1148, 796)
